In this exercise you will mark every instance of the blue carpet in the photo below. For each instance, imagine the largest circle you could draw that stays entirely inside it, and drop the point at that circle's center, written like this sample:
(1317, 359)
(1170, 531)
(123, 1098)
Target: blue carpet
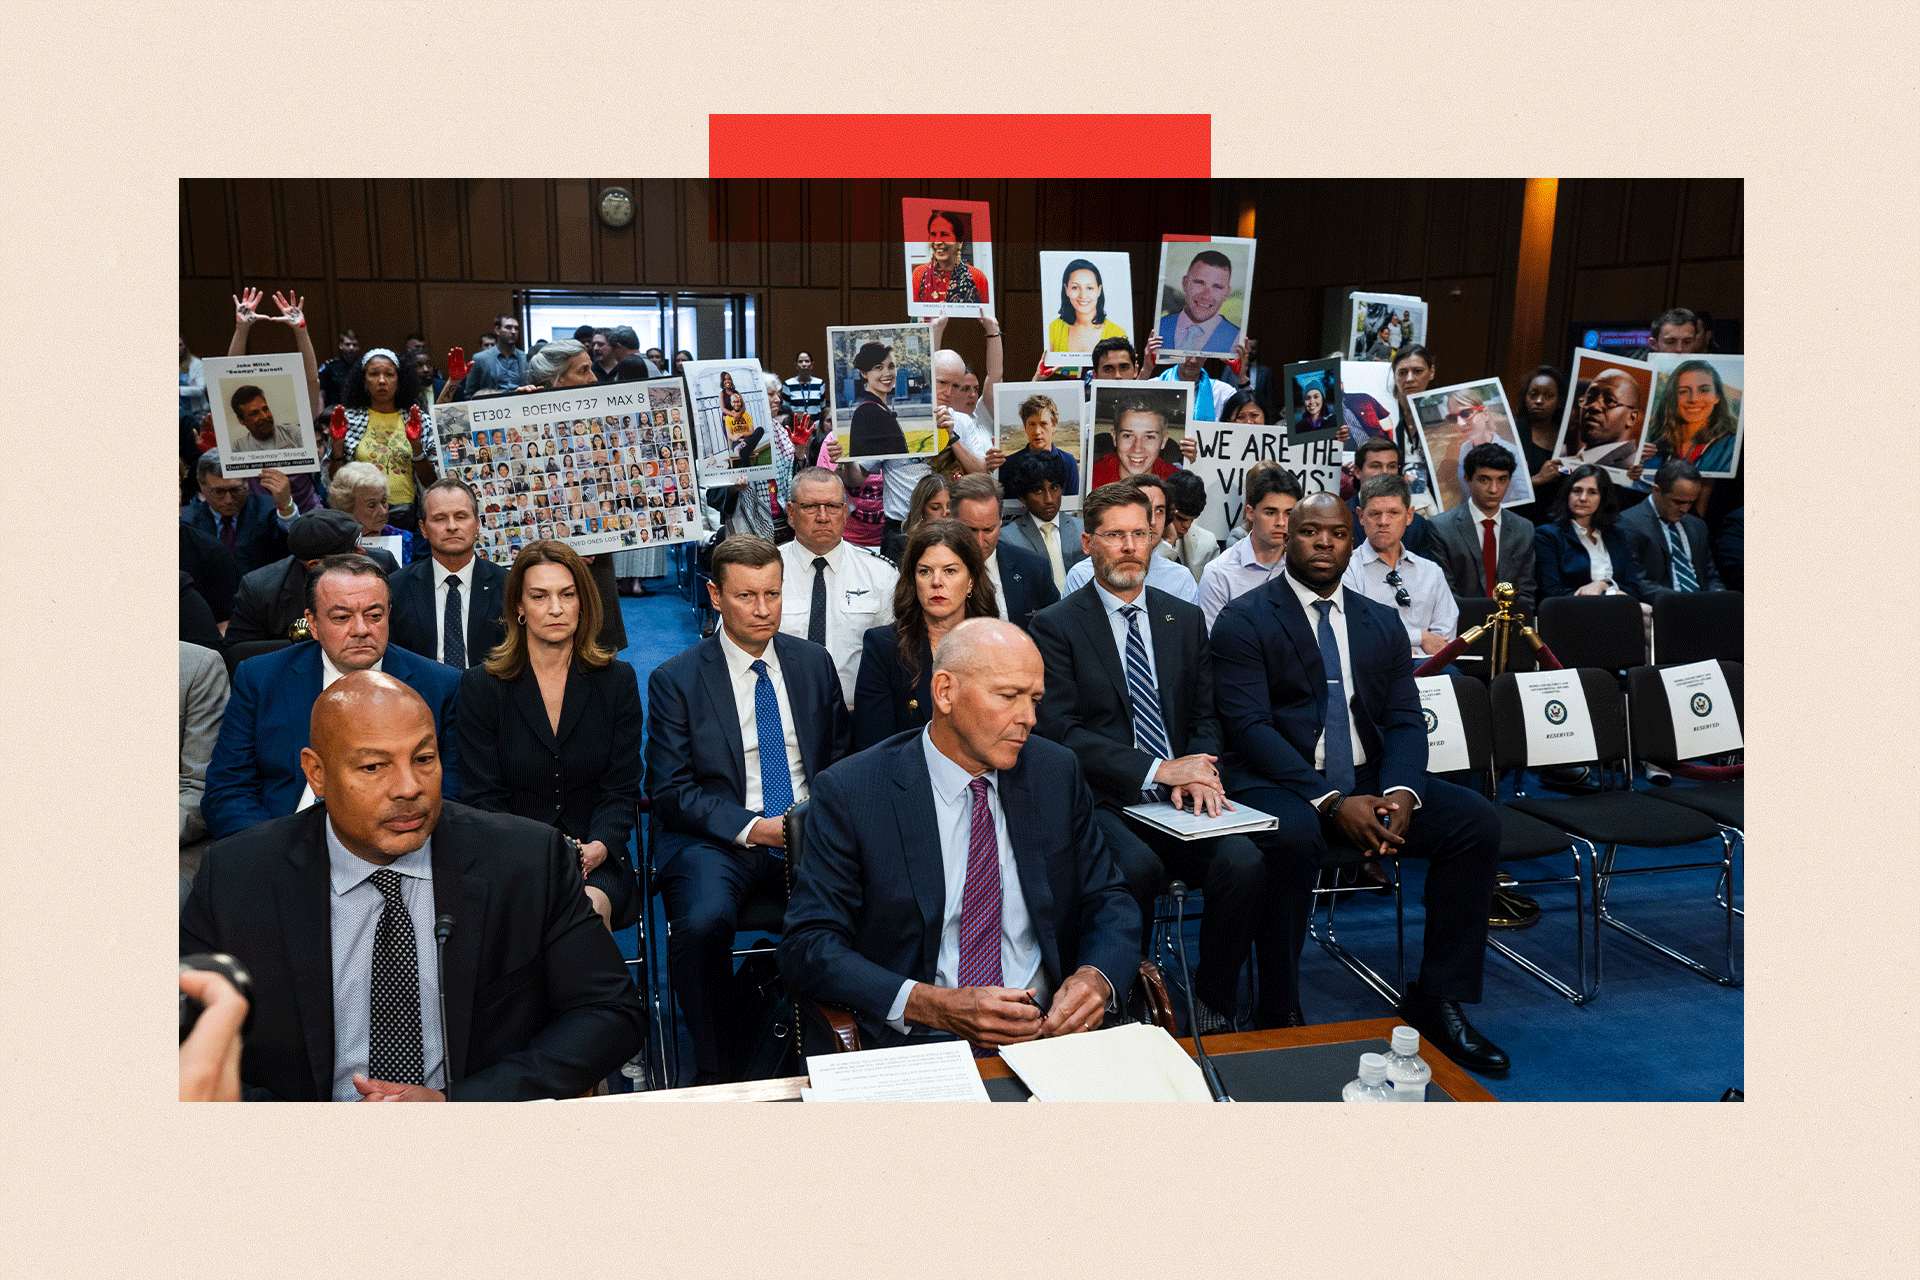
(1655, 1032)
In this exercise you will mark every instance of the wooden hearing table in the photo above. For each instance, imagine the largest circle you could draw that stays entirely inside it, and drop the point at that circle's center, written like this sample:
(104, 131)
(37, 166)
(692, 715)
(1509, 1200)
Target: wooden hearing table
(1287, 1064)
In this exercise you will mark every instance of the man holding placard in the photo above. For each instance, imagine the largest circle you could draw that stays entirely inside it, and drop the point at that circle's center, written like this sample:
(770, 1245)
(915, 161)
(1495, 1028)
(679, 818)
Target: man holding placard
(1321, 718)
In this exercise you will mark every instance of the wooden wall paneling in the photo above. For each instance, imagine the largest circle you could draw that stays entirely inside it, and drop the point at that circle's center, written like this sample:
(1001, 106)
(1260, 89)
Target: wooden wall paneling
(786, 219)
(574, 222)
(1032, 220)
(1710, 225)
(1411, 201)
(456, 314)
(867, 244)
(659, 246)
(1381, 215)
(486, 204)
(1447, 228)
(1653, 219)
(185, 224)
(206, 219)
(347, 217)
(1287, 323)
(1492, 225)
(531, 233)
(744, 227)
(616, 252)
(439, 211)
(1739, 245)
(893, 257)
(382, 312)
(256, 230)
(1092, 212)
(1600, 210)
(873, 306)
(1459, 329)
(1618, 293)
(206, 315)
(700, 252)
(394, 224)
(303, 229)
(826, 258)
(1718, 286)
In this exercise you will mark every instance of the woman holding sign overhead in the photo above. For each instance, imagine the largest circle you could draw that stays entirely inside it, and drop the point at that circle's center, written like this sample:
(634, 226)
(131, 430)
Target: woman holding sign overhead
(1082, 321)
(368, 426)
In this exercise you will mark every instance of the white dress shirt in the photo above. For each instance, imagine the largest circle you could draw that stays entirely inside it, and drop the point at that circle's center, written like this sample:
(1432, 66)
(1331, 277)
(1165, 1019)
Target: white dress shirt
(901, 475)
(354, 910)
(859, 595)
(953, 820)
(441, 576)
(328, 674)
(1431, 606)
(740, 672)
(1117, 622)
(1598, 555)
(1169, 576)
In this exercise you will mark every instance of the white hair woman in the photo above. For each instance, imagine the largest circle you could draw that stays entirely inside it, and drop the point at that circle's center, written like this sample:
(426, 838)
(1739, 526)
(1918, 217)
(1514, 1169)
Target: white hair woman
(360, 489)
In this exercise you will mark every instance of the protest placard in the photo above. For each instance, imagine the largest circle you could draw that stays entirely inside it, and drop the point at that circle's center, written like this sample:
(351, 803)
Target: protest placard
(1093, 302)
(1201, 299)
(261, 417)
(949, 248)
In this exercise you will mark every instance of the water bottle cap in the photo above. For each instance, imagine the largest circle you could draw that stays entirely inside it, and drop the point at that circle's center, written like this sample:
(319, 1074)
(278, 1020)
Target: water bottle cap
(1373, 1069)
(1406, 1040)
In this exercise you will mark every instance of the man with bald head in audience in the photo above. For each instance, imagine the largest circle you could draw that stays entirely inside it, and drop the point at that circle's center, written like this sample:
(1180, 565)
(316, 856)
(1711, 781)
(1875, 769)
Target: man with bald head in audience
(255, 773)
(337, 912)
(954, 881)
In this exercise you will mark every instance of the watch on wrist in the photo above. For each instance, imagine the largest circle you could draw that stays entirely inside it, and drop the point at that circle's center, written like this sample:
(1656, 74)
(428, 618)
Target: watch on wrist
(1332, 805)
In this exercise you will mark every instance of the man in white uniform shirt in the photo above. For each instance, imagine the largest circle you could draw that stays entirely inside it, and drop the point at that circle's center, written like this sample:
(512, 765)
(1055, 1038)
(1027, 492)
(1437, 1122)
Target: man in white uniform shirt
(834, 590)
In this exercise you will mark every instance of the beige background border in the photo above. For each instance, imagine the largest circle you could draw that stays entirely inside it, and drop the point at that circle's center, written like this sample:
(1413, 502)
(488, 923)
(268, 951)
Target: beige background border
(109, 106)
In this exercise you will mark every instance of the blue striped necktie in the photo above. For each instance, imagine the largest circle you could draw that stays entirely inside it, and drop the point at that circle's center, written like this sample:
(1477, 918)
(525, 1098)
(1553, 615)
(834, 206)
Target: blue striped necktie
(1683, 575)
(1149, 730)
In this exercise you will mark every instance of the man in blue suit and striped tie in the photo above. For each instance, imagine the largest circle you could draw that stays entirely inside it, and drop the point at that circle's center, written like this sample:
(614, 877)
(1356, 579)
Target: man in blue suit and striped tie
(738, 727)
(1315, 692)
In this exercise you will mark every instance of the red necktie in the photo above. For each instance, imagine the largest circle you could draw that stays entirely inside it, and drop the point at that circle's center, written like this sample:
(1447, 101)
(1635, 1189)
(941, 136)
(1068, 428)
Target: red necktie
(980, 903)
(1489, 554)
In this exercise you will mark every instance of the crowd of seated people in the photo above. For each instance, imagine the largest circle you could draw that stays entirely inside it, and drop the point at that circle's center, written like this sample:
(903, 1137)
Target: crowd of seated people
(971, 684)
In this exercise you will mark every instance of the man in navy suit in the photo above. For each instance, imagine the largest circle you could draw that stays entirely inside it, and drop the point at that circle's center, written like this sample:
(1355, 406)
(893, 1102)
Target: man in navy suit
(738, 728)
(954, 880)
(255, 772)
(1670, 541)
(244, 523)
(1022, 582)
(1198, 325)
(1287, 656)
(452, 585)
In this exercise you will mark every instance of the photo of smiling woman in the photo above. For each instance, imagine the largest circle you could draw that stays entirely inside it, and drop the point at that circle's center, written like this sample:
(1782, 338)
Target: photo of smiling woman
(1082, 319)
(1695, 414)
(875, 429)
(949, 275)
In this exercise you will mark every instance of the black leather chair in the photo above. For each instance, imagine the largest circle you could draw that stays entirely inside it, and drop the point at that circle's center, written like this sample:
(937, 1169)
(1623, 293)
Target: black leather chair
(239, 653)
(1653, 740)
(1694, 626)
(1616, 815)
(1608, 632)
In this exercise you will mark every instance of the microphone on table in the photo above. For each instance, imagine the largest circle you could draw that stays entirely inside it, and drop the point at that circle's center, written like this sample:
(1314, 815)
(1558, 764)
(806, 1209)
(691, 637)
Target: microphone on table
(442, 930)
(1179, 891)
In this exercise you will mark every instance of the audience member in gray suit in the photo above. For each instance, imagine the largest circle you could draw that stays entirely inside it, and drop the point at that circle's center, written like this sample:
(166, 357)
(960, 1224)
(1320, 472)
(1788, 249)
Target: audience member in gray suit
(1036, 480)
(203, 700)
(1458, 537)
(1654, 526)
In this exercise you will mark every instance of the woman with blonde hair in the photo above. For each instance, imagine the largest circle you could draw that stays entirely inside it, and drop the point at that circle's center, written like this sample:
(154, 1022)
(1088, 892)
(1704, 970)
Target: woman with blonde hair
(554, 723)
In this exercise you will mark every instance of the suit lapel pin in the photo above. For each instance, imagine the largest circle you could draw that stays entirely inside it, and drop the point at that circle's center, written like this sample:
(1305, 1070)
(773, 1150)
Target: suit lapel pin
(1169, 617)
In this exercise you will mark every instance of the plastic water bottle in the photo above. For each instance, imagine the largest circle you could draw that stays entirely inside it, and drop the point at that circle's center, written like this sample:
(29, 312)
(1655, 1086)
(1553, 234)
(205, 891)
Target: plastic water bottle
(1372, 1085)
(1407, 1071)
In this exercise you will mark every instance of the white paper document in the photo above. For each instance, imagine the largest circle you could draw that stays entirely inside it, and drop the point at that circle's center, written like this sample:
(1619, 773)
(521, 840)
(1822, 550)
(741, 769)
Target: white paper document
(1198, 826)
(1704, 722)
(1554, 706)
(940, 1072)
(1137, 1062)
(1446, 734)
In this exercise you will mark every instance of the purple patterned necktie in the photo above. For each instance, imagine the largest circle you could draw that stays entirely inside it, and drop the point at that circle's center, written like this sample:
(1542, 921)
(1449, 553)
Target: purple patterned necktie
(980, 904)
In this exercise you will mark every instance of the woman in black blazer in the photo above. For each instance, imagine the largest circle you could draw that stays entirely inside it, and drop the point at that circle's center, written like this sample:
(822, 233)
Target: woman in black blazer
(1582, 523)
(943, 582)
(553, 723)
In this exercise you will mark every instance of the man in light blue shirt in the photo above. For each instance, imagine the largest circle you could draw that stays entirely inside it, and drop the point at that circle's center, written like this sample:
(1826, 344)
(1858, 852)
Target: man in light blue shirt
(501, 367)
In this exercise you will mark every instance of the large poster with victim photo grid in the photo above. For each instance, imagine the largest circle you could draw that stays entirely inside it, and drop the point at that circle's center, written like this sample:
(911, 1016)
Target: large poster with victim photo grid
(602, 468)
